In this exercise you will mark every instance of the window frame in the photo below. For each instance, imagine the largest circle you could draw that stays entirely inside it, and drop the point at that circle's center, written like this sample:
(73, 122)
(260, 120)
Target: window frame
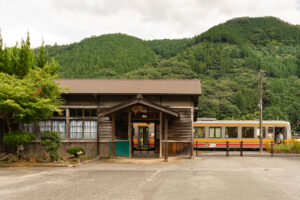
(199, 127)
(249, 127)
(237, 131)
(215, 128)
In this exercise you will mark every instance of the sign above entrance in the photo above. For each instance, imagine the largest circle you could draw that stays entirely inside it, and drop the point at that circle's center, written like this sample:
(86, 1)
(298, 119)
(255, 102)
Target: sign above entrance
(139, 108)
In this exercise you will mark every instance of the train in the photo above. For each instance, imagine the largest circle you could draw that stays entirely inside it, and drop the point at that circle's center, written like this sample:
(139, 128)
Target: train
(213, 134)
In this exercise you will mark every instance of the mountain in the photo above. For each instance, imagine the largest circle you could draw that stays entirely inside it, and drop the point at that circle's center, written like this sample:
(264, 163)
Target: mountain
(226, 58)
(105, 56)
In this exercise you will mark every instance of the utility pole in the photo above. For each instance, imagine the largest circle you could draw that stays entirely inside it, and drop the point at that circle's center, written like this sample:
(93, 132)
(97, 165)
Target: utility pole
(261, 73)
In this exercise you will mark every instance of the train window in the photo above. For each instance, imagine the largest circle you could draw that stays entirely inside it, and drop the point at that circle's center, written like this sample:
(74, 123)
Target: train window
(270, 130)
(264, 132)
(248, 132)
(231, 132)
(199, 132)
(215, 132)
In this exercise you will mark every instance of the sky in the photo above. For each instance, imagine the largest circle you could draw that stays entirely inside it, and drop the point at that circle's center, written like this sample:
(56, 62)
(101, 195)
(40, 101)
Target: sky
(68, 21)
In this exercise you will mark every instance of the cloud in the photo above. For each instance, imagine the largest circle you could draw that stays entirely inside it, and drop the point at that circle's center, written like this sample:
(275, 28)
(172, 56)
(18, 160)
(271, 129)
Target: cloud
(65, 21)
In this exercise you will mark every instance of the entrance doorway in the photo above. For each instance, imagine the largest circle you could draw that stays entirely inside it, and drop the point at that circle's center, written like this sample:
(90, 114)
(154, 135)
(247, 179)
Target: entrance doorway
(144, 136)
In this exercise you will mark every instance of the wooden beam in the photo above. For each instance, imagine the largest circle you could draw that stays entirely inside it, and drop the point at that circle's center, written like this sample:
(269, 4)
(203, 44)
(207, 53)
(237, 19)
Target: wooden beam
(130, 133)
(160, 134)
(166, 139)
(144, 102)
(113, 125)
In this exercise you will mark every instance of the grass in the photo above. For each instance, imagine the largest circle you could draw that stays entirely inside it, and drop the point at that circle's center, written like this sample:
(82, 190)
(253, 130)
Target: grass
(288, 147)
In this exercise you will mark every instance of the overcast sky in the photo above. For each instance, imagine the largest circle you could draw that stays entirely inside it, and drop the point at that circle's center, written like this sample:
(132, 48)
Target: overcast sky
(67, 21)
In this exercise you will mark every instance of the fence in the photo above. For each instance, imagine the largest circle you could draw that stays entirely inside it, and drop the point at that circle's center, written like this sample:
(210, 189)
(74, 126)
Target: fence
(241, 151)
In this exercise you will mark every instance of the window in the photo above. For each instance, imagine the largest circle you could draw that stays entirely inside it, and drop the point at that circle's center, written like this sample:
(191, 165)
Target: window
(44, 126)
(215, 132)
(248, 132)
(90, 129)
(264, 132)
(28, 128)
(270, 130)
(76, 113)
(76, 129)
(90, 112)
(60, 126)
(231, 132)
(199, 132)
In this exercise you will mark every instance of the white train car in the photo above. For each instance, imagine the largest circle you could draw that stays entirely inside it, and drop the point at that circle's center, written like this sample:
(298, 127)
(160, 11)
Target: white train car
(215, 133)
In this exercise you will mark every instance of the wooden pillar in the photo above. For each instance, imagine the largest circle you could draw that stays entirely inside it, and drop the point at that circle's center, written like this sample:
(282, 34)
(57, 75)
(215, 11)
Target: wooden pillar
(160, 135)
(68, 124)
(192, 139)
(166, 139)
(98, 133)
(130, 133)
(113, 125)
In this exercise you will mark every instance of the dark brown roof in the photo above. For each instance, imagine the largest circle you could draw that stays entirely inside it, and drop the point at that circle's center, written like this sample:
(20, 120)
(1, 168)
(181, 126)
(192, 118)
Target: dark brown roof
(96, 86)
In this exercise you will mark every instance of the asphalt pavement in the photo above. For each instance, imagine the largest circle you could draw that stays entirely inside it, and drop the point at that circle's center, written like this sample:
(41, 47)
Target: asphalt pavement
(202, 178)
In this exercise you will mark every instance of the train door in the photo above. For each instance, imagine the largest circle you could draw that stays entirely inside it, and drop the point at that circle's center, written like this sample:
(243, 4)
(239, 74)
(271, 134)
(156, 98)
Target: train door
(143, 135)
(279, 130)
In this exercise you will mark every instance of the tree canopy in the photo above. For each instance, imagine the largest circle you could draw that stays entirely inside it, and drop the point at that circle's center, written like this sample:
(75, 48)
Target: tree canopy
(28, 91)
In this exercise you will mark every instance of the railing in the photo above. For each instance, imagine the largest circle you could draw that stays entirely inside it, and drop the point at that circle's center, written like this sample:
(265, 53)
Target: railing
(241, 149)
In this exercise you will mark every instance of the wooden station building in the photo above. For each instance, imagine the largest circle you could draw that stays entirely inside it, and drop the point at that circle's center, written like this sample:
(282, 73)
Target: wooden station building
(99, 116)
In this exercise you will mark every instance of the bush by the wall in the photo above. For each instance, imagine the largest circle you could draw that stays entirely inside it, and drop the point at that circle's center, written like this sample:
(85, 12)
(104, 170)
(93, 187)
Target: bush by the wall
(18, 139)
(76, 151)
(51, 141)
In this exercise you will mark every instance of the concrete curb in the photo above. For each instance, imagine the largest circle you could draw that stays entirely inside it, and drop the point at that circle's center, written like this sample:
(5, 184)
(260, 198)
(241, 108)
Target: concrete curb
(47, 165)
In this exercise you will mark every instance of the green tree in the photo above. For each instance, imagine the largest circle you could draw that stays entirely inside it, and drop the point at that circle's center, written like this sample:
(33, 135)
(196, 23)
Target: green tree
(28, 93)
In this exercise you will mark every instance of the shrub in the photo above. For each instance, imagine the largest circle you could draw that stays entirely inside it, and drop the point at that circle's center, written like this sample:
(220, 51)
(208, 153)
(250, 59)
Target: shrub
(51, 141)
(289, 147)
(18, 139)
(76, 151)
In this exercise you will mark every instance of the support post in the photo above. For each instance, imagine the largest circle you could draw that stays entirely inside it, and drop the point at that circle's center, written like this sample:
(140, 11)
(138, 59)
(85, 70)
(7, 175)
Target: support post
(166, 139)
(98, 132)
(272, 149)
(113, 125)
(227, 148)
(130, 133)
(196, 148)
(241, 148)
(67, 124)
(160, 135)
(261, 72)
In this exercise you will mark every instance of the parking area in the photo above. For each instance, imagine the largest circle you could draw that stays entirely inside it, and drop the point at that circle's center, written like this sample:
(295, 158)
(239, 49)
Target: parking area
(201, 178)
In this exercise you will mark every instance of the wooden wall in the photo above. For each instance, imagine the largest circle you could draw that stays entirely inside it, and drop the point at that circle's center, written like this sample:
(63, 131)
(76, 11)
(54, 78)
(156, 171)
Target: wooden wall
(181, 129)
(36, 149)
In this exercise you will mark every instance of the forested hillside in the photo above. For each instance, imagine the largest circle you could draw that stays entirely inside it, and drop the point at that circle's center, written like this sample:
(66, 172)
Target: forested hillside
(226, 59)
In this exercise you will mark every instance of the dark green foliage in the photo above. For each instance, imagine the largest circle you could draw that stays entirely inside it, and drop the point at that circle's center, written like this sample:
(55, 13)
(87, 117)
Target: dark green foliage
(167, 48)
(119, 53)
(75, 151)
(18, 138)
(51, 141)
(27, 92)
(164, 70)
(258, 31)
